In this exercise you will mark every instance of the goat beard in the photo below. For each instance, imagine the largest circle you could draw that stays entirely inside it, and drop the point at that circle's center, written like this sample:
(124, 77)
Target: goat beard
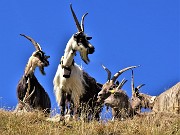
(42, 70)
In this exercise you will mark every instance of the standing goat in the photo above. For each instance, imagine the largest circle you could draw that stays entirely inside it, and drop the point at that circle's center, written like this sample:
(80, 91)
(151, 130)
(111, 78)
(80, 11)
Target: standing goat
(168, 101)
(29, 90)
(70, 81)
(112, 95)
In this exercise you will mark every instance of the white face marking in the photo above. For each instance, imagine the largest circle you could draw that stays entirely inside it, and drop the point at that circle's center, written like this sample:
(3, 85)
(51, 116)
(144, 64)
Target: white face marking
(152, 99)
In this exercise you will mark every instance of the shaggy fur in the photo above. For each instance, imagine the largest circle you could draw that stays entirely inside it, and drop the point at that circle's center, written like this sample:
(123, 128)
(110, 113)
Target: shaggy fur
(29, 84)
(69, 83)
(120, 104)
(73, 85)
(82, 91)
(167, 101)
(39, 99)
(89, 98)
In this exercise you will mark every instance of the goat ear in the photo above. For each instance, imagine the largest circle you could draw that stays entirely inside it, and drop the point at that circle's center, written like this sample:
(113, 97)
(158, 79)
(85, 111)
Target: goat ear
(47, 57)
(88, 38)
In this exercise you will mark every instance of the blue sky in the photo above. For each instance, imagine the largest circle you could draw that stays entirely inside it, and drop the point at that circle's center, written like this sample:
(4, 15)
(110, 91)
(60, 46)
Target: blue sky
(125, 33)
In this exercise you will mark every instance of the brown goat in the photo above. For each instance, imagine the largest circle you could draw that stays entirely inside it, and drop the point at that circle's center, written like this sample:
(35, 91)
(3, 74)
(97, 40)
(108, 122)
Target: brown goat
(168, 101)
(29, 91)
(110, 84)
(112, 95)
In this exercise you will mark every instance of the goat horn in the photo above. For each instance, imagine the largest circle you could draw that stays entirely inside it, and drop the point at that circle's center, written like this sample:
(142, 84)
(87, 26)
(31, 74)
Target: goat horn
(27, 95)
(37, 46)
(75, 19)
(108, 72)
(138, 87)
(27, 92)
(132, 83)
(121, 84)
(30, 94)
(82, 22)
(120, 72)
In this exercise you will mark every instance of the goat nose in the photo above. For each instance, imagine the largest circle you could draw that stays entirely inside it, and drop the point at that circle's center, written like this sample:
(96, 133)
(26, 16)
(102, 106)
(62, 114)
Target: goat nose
(91, 49)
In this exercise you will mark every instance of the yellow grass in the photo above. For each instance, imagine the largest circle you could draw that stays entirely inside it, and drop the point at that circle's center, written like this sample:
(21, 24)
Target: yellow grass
(36, 124)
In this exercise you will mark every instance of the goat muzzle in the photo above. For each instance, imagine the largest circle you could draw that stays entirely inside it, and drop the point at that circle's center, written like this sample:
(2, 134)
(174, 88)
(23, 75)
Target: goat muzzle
(91, 49)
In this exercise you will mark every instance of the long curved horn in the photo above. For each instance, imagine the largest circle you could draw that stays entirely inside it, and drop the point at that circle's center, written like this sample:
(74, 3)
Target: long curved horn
(121, 84)
(82, 22)
(132, 83)
(121, 71)
(75, 19)
(37, 46)
(108, 72)
(139, 86)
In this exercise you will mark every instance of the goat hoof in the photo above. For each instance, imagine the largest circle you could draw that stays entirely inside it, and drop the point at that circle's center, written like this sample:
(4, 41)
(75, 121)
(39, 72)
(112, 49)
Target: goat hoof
(62, 118)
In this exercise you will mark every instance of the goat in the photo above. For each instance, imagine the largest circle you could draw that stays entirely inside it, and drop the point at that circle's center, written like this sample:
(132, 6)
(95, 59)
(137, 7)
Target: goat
(29, 90)
(110, 84)
(70, 81)
(168, 101)
(119, 102)
(112, 95)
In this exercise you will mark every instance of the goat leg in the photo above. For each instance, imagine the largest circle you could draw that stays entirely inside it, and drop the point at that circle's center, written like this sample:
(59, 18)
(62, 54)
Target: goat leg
(62, 105)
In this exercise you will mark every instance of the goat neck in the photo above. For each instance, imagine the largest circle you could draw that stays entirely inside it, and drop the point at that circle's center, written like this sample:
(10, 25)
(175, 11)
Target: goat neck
(69, 53)
(147, 101)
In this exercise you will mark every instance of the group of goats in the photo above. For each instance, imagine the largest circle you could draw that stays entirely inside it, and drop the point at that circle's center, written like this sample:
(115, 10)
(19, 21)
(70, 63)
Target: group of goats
(77, 93)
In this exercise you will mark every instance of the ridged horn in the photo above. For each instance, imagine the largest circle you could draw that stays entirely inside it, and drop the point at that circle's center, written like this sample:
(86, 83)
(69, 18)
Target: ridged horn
(121, 84)
(121, 71)
(108, 72)
(75, 19)
(132, 83)
(139, 86)
(27, 95)
(37, 46)
(82, 22)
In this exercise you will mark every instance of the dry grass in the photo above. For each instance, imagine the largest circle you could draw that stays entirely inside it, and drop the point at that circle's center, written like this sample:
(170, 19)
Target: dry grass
(35, 124)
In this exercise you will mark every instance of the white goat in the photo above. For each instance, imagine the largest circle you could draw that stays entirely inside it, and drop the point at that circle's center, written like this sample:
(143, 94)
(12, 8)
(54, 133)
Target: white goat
(69, 76)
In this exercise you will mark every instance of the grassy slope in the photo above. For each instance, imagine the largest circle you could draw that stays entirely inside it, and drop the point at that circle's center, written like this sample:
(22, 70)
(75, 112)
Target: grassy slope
(35, 124)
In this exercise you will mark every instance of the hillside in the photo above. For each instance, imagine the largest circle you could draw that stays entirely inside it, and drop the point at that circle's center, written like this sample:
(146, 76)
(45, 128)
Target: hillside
(36, 124)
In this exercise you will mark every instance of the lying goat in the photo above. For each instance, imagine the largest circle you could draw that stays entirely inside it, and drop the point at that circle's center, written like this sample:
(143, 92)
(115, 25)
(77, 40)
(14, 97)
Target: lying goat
(29, 90)
(168, 101)
(71, 83)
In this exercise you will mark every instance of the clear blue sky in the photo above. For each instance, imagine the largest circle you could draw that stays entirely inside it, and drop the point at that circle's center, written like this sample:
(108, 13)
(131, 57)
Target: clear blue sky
(125, 33)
